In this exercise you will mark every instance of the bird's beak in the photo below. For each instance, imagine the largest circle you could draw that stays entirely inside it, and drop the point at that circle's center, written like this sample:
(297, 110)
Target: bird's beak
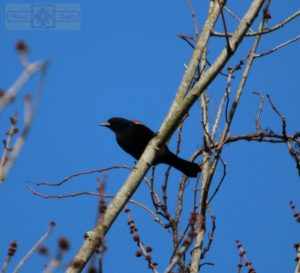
(106, 124)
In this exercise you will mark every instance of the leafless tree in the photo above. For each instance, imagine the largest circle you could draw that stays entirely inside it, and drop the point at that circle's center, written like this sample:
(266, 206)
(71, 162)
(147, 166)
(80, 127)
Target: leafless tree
(190, 245)
(199, 74)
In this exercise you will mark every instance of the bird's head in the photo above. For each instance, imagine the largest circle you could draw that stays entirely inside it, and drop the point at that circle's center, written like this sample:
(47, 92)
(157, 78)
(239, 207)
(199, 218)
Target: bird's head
(116, 124)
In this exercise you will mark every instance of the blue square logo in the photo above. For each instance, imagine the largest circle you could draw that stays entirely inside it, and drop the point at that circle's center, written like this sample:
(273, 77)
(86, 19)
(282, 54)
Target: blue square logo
(43, 16)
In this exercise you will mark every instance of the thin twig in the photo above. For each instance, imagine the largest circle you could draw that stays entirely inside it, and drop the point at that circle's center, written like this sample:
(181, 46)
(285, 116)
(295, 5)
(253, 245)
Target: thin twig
(277, 47)
(10, 253)
(243, 256)
(144, 251)
(35, 247)
(194, 19)
(212, 232)
(287, 140)
(7, 142)
(225, 97)
(264, 31)
(283, 118)
(260, 109)
(224, 25)
(188, 39)
(82, 173)
(220, 183)
(33, 191)
(154, 196)
(235, 17)
(267, 136)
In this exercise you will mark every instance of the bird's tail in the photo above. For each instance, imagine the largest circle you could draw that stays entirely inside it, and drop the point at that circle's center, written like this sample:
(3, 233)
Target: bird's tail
(190, 169)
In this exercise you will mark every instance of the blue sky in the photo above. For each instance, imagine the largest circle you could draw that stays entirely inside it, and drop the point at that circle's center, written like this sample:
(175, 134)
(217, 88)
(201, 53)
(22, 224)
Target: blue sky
(127, 61)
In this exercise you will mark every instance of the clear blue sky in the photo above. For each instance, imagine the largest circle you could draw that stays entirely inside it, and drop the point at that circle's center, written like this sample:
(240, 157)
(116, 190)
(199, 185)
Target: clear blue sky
(127, 61)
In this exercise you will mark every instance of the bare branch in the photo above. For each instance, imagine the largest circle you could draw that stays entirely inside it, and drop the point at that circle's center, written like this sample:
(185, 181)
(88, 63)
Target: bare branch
(10, 253)
(211, 235)
(144, 251)
(260, 109)
(288, 141)
(189, 39)
(7, 142)
(29, 111)
(12, 92)
(224, 24)
(68, 195)
(235, 17)
(35, 247)
(243, 256)
(220, 183)
(277, 47)
(194, 19)
(82, 173)
(264, 31)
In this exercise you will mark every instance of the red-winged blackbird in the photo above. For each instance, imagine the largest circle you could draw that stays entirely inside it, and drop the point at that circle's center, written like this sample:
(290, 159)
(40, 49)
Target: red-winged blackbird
(133, 137)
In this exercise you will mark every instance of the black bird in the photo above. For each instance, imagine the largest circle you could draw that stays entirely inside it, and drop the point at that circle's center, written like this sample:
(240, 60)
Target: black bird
(133, 137)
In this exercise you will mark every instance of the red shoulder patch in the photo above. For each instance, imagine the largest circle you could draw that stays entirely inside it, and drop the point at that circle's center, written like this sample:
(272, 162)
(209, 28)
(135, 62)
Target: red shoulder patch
(136, 122)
